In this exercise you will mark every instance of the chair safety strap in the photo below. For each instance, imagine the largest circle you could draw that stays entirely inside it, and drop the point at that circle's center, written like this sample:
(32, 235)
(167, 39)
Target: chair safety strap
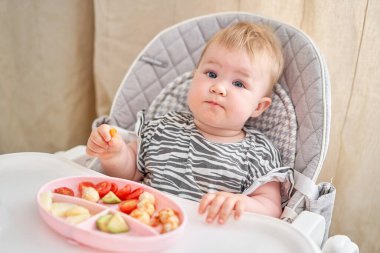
(288, 214)
(305, 185)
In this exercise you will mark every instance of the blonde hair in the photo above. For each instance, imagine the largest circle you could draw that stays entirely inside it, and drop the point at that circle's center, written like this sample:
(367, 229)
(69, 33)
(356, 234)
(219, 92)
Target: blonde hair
(257, 40)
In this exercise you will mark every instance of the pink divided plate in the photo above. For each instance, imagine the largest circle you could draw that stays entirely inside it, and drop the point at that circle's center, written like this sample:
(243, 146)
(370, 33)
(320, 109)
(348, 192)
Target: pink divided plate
(139, 238)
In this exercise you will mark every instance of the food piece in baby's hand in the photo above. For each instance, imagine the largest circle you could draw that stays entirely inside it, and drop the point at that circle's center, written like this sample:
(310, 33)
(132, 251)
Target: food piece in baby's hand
(113, 132)
(90, 194)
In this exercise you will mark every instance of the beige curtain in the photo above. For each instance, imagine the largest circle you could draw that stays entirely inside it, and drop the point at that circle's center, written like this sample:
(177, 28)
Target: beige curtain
(47, 98)
(46, 80)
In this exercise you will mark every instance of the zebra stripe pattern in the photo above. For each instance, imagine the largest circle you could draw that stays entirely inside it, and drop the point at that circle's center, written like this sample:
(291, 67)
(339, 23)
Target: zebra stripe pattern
(174, 157)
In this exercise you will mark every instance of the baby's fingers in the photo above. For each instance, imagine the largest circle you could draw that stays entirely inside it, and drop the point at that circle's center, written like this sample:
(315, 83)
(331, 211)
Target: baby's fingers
(96, 145)
(205, 202)
(94, 151)
(239, 209)
(214, 208)
(105, 132)
(226, 210)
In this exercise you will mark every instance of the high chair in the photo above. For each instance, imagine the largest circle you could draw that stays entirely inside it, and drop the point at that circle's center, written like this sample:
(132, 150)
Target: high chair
(298, 121)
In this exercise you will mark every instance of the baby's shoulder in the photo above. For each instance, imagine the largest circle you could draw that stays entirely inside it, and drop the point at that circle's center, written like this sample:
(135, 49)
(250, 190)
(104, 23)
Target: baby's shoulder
(259, 140)
(262, 149)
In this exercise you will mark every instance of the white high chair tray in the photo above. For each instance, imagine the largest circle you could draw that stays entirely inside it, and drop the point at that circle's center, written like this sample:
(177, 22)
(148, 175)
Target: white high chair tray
(23, 230)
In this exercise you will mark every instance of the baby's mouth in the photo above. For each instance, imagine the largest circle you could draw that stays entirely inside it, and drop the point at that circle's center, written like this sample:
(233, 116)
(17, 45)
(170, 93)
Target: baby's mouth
(214, 103)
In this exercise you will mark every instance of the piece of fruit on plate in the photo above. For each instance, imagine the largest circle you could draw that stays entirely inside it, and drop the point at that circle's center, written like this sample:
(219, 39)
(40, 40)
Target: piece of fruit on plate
(111, 198)
(106, 186)
(71, 213)
(64, 191)
(90, 194)
(169, 220)
(112, 223)
(46, 200)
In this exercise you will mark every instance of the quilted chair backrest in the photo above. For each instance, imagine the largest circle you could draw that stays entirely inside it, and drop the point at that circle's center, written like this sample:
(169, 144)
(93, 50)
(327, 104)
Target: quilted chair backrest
(176, 50)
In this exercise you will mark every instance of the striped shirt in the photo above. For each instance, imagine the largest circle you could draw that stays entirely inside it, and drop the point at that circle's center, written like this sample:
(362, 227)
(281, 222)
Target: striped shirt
(174, 157)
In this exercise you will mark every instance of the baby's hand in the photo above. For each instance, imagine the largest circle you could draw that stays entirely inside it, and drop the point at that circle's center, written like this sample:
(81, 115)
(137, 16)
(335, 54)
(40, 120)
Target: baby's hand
(221, 205)
(104, 142)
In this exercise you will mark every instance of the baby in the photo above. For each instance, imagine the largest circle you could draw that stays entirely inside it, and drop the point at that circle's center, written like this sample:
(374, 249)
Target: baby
(209, 155)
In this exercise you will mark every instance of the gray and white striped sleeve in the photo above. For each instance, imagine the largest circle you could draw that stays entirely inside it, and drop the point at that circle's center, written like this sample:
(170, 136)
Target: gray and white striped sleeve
(144, 130)
(264, 163)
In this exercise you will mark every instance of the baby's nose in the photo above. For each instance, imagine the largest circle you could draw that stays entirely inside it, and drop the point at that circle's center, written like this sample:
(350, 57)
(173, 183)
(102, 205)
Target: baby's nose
(218, 89)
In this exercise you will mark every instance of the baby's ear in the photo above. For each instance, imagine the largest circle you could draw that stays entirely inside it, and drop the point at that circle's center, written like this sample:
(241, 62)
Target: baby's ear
(264, 103)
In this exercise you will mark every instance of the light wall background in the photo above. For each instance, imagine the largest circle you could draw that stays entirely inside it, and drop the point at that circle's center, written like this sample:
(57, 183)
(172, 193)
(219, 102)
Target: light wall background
(61, 63)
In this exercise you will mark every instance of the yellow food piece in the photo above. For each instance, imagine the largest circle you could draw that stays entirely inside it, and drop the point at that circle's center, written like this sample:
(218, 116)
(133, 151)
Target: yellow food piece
(113, 132)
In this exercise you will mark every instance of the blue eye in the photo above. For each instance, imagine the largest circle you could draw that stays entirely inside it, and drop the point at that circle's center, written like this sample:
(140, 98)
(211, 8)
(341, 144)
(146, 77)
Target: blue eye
(212, 74)
(238, 84)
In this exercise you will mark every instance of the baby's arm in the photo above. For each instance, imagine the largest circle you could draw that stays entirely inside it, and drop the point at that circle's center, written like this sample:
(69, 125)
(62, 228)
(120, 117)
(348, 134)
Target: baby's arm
(265, 200)
(118, 159)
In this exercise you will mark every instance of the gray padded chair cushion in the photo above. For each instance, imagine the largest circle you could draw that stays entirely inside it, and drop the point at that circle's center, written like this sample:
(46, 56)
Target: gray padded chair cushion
(176, 51)
(278, 123)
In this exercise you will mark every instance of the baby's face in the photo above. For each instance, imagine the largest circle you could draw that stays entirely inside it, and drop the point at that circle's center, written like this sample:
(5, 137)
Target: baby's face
(227, 88)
